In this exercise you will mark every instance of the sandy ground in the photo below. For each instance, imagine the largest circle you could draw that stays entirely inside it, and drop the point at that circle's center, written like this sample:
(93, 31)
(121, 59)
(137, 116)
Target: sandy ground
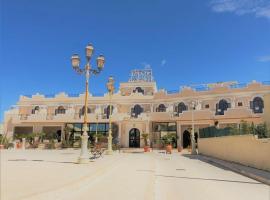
(53, 174)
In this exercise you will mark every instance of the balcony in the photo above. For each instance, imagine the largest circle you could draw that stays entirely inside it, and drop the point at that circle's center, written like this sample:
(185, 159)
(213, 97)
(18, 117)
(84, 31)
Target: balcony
(40, 116)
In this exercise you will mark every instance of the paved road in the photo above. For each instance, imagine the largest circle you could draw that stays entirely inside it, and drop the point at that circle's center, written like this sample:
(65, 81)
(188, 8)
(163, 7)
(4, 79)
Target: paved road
(143, 176)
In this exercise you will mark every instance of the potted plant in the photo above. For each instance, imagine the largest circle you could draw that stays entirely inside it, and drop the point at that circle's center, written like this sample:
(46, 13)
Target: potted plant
(179, 149)
(168, 139)
(145, 137)
(3, 141)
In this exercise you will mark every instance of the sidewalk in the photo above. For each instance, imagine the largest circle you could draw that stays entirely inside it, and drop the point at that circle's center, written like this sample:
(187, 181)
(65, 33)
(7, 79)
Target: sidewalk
(256, 174)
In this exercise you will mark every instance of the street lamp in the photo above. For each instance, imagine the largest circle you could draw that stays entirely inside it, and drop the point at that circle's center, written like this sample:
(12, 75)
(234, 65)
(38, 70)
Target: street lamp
(87, 71)
(110, 87)
(193, 148)
(96, 140)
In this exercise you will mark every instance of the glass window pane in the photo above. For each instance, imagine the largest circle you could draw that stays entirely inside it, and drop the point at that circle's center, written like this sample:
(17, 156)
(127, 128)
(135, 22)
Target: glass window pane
(93, 127)
(101, 127)
(171, 126)
(163, 126)
(106, 127)
(77, 127)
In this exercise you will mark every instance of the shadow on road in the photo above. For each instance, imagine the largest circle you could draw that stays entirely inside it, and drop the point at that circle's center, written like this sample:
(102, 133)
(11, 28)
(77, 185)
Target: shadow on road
(198, 157)
(68, 162)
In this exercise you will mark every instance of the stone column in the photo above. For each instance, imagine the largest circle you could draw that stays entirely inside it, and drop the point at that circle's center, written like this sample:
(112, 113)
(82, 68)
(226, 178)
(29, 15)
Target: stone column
(62, 133)
(179, 134)
(119, 132)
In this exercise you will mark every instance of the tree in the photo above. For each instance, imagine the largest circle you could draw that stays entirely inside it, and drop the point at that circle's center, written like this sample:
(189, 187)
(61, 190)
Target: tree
(145, 138)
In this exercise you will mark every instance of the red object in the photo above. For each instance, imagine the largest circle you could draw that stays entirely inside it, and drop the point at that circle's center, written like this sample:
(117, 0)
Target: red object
(18, 145)
(146, 149)
(2, 146)
(169, 149)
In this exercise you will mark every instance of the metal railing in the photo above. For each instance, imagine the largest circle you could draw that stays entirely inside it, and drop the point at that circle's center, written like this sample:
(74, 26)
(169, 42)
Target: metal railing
(260, 130)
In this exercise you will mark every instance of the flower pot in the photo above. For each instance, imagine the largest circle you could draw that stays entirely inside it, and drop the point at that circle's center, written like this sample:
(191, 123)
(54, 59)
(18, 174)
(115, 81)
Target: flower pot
(18, 145)
(146, 149)
(179, 149)
(169, 149)
(2, 146)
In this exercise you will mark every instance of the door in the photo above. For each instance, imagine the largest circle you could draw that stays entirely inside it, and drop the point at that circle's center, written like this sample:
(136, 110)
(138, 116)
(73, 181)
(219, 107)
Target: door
(134, 138)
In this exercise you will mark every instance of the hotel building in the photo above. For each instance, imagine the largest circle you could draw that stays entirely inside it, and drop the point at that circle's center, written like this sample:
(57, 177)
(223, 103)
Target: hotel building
(139, 107)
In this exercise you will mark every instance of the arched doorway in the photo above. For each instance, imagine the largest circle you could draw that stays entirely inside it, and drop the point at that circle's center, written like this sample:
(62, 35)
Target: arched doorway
(186, 139)
(134, 138)
(196, 137)
(58, 135)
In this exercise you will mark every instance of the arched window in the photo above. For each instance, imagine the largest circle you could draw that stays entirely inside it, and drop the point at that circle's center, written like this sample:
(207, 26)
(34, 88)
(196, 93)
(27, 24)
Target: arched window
(257, 105)
(139, 90)
(83, 109)
(161, 108)
(136, 110)
(35, 109)
(222, 106)
(181, 107)
(60, 110)
(107, 111)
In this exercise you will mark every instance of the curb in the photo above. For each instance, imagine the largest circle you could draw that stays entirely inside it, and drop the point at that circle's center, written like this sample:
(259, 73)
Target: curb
(237, 170)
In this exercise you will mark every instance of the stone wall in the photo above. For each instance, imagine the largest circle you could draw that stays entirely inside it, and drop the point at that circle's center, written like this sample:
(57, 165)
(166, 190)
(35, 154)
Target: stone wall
(243, 149)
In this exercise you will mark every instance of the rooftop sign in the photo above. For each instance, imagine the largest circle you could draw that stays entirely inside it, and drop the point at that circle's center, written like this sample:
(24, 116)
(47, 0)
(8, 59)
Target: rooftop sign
(141, 75)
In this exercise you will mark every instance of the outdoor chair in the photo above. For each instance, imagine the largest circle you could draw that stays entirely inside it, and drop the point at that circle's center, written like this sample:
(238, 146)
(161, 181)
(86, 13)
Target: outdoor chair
(96, 152)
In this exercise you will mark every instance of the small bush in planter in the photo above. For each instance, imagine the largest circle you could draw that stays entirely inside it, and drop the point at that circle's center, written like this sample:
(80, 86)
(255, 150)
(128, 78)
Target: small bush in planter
(167, 140)
(3, 142)
(145, 137)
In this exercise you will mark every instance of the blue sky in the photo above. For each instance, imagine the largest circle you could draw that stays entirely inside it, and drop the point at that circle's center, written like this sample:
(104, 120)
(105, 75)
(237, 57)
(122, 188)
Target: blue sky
(185, 42)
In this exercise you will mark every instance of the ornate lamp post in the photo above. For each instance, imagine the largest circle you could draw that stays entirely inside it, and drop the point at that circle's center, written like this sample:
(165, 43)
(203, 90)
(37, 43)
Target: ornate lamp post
(87, 71)
(110, 87)
(193, 148)
(96, 139)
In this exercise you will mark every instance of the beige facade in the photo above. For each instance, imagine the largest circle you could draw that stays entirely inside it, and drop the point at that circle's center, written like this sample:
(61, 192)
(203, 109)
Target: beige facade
(244, 149)
(140, 106)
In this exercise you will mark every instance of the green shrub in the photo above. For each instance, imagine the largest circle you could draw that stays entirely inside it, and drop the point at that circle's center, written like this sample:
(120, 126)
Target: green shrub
(169, 138)
(260, 130)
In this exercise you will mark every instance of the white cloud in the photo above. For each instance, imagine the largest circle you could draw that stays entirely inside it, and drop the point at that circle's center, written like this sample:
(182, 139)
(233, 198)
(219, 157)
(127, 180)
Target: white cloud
(260, 8)
(163, 62)
(264, 58)
(146, 65)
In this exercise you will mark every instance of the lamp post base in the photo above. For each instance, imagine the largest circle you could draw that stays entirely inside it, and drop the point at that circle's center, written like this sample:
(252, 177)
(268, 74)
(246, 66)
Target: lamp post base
(193, 147)
(193, 152)
(84, 156)
(109, 150)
